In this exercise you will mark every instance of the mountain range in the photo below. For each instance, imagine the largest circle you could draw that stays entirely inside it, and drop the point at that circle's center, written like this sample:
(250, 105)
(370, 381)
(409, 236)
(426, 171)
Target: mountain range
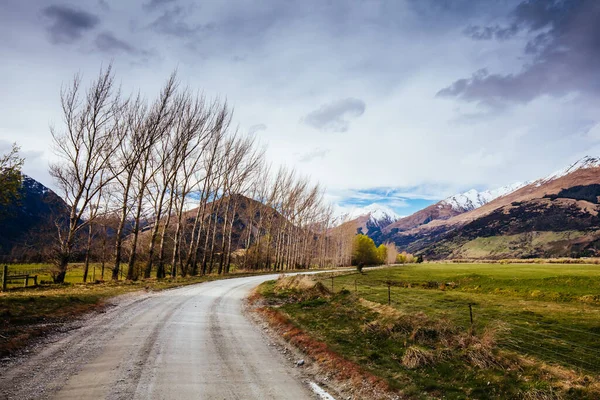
(554, 216)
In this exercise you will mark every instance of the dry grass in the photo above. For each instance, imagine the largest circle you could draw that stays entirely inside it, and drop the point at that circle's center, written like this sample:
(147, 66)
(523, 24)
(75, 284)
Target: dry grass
(300, 287)
(364, 384)
(541, 394)
(480, 351)
(440, 336)
(415, 357)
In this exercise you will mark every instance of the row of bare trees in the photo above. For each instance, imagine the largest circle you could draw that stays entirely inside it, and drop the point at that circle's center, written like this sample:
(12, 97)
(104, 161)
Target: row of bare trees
(166, 186)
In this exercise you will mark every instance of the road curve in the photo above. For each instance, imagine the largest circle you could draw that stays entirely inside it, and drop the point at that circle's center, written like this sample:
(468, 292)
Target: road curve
(187, 343)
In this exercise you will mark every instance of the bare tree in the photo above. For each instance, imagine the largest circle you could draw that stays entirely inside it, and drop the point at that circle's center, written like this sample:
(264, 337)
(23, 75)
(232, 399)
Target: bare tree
(124, 167)
(85, 148)
(155, 126)
(197, 123)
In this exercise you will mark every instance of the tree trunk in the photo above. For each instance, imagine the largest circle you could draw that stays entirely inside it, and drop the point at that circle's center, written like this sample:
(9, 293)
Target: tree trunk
(223, 235)
(136, 230)
(86, 266)
(160, 270)
(120, 228)
(228, 259)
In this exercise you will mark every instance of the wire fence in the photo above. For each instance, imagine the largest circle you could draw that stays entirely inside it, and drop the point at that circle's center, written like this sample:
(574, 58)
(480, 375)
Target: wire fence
(566, 338)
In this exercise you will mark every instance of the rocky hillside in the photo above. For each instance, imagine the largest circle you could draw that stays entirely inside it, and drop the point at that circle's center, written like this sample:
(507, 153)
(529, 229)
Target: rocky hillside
(553, 216)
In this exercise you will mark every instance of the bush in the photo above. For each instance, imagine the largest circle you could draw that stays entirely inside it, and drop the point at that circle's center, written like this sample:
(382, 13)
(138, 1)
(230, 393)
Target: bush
(364, 251)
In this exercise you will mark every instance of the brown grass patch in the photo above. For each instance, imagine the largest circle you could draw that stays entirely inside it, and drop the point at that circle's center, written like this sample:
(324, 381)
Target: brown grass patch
(303, 285)
(333, 364)
(415, 357)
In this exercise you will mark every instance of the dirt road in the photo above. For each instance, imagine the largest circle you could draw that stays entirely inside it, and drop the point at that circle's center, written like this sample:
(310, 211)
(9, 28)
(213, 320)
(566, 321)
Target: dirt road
(187, 343)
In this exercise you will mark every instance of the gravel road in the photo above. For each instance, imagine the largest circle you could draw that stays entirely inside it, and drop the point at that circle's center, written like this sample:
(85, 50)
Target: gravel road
(188, 343)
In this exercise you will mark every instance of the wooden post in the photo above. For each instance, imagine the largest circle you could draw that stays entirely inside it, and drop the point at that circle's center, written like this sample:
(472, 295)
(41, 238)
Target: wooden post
(26, 280)
(389, 293)
(332, 285)
(471, 315)
(4, 277)
(35, 280)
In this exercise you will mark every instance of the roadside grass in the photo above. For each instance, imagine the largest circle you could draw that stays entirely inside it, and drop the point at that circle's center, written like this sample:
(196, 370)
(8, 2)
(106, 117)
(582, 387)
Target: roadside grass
(536, 328)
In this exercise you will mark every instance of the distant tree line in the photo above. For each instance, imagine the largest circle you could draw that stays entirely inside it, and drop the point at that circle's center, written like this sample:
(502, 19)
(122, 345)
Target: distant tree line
(366, 253)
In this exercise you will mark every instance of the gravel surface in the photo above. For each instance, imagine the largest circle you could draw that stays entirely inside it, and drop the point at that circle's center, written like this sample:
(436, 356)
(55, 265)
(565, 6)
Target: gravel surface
(187, 343)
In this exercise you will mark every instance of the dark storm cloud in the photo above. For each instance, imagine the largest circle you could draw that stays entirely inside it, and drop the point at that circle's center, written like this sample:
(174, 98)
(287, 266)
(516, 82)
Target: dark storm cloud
(563, 49)
(108, 43)
(336, 116)
(68, 24)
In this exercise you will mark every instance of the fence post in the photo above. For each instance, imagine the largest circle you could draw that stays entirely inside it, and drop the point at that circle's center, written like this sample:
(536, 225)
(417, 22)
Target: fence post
(389, 293)
(4, 277)
(471, 315)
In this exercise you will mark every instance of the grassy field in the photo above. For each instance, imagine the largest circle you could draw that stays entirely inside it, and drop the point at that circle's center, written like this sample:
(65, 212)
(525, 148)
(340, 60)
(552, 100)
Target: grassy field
(535, 331)
(519, 245)
(74, 274)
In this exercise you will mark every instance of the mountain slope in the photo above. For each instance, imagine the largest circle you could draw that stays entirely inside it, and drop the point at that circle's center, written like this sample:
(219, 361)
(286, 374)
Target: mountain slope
(369, 220)
(553, 216)
(473, 199)
(449, 207)
(379, 214)
(37, 208)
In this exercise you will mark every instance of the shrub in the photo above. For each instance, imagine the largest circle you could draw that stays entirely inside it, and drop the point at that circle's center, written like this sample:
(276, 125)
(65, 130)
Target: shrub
(364, 251)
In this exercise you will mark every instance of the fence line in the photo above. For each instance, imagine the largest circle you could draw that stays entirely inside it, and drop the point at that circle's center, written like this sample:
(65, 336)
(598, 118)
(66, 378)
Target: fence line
(524, 339)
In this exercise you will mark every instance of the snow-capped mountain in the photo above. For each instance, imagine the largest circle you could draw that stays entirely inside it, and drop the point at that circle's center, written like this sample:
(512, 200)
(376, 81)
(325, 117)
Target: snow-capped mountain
(584, 163)
(473, 199)
(377, 213)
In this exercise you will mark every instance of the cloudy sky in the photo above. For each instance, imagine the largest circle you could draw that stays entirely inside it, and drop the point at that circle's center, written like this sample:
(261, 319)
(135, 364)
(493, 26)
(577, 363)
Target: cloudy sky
(402, 102)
